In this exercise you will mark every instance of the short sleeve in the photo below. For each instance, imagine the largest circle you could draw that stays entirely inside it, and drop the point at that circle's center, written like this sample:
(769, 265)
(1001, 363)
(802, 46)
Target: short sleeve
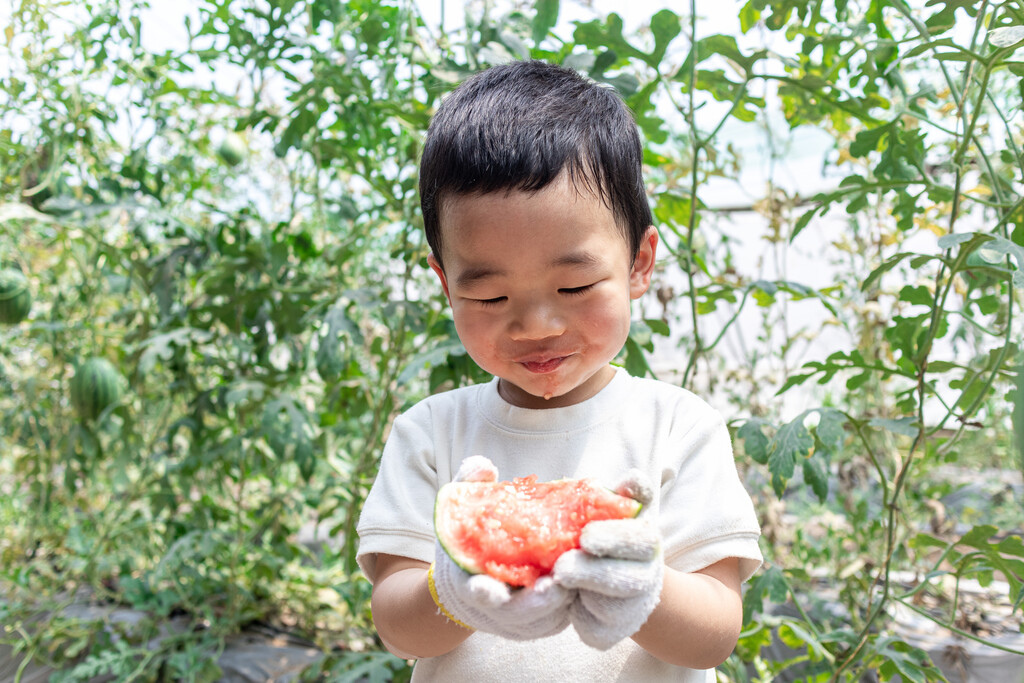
(706, 513)
(397, 516)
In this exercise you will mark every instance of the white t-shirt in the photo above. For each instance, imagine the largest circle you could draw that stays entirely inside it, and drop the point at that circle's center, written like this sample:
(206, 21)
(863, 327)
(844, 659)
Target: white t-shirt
(704, 513)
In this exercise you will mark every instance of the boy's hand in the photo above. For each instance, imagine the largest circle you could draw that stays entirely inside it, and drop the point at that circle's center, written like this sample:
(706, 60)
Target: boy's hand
(483, 603)
(617, 574)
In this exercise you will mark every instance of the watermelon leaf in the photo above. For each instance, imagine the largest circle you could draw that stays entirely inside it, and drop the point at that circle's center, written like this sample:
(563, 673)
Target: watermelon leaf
(545, 19)
(754, 441)
(791, 441)
(771, 583)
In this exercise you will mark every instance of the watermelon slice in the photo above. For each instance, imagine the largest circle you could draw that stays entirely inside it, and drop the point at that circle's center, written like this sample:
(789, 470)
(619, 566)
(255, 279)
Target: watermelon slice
(515, 530)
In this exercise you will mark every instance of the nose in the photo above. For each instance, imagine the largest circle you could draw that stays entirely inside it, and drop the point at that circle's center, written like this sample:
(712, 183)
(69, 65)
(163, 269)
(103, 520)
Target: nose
(536, 319)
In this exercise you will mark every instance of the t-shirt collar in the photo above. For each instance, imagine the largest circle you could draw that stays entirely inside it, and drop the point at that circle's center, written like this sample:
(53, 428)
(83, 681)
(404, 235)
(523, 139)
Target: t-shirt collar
(595, 409)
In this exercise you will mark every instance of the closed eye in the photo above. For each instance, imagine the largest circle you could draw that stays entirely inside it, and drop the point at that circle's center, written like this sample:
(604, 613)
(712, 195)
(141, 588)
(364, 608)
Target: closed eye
(491, 302)
(576, 290)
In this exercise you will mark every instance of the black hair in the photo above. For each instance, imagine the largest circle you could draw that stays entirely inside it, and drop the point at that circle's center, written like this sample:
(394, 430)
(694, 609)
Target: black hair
(518, 126)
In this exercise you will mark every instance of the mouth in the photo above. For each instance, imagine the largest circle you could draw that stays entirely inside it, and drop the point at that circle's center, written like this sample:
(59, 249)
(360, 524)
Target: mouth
(542, 366)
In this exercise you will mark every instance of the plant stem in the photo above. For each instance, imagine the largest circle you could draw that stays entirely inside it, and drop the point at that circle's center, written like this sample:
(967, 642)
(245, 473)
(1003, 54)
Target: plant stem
(960, 632)
(694, 180)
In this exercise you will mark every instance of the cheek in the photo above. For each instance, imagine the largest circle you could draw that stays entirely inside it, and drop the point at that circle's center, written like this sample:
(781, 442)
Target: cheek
(475, 332)
(607, 322)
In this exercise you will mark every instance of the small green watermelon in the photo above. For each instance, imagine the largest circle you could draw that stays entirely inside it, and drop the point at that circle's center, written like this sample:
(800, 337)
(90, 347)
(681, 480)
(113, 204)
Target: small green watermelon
(96, 385)
(15, 299)
(233, 149)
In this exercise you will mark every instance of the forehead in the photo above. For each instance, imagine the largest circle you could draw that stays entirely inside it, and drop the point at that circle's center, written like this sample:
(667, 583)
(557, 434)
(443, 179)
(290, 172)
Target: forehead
(529, 234)
(565, 204)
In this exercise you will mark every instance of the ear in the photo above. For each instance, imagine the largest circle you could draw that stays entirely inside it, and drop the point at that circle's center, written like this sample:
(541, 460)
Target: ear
(643, 265)
(435, 266)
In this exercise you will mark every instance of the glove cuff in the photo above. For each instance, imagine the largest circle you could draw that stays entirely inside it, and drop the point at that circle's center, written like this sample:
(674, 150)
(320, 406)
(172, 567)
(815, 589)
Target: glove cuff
(437, 601)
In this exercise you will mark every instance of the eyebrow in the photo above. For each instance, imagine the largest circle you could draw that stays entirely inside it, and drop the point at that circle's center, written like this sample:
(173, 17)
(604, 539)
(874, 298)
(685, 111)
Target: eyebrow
(475, 274)
(577, 258)
(471, 276)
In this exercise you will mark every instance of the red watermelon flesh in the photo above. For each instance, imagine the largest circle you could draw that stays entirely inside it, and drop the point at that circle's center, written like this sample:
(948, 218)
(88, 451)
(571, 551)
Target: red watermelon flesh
(515, 530)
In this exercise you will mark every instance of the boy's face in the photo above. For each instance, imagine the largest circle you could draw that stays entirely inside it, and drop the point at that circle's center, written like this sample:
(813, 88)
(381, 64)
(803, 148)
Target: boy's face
(540, 286)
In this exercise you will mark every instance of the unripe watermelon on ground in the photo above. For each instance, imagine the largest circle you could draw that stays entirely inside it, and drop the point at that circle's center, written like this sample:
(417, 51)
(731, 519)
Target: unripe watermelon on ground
(15, 299)
(516, 530)
(96, 385)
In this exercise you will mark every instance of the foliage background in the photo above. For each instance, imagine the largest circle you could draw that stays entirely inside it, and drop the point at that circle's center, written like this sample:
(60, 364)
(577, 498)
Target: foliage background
(270, 317)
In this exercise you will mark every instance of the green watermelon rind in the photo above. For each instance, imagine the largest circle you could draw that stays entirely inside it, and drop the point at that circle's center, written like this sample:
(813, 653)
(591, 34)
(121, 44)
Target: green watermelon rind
(15, 298)
(464, 561)
(95, 387)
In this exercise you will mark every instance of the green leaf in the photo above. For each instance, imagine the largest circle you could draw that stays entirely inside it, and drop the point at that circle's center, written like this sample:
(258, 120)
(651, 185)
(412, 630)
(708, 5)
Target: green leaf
(749, 16)
(919, 295)
(816, 475)
(940, 366)
(722, 46)
(625, 83)
(641, 333)
(301, 123)
(242, 392)
(857, 381)
(978, 536)
(1012, 545)
(869, 140)
(658, 326)
(803, 222)
(887, 265)
(117, 662)
(665, 27)
(792, 441)
(831, 429)
(926, 541)
(288, 432)
(1006, 36)
(929, 45)
(764, 298)
(794, 635)
(841, 361)
(604, 61)
(545, 19)
(755, 443)
(433, 356)
(162, 347)
(366, 667)
(875, 16)
(906, 426)
(671, 207)
(595, 34)
(1004, 246)
(514, 44)
(945, 18)
(958, 238)
(899, 658)
(771, 583)
(636, 359)
(339, 334)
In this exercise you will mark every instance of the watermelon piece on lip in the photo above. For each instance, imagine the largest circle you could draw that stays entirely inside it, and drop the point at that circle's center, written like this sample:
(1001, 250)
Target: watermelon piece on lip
(516, 530)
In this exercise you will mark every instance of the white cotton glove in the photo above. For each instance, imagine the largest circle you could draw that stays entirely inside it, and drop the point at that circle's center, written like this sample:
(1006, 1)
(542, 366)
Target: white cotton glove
(484, 603)
(617, 573)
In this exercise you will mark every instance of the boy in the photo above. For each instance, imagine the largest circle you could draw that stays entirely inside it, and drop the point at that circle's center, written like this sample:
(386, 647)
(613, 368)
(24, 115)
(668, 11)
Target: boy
(541, 235)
